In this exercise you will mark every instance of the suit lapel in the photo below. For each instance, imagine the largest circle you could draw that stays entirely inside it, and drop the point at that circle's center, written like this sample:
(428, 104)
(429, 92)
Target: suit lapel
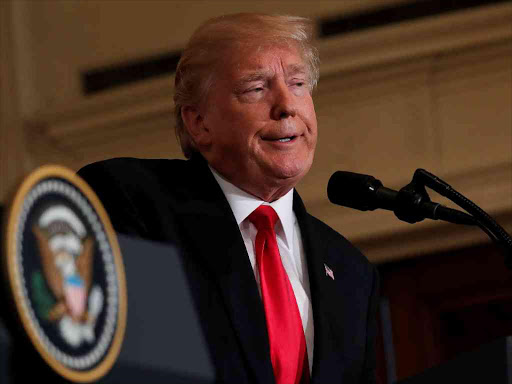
(223, 251)
(326, 303)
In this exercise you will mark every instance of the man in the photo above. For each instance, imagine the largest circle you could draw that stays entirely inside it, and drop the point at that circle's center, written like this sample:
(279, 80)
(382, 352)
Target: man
(284, 298)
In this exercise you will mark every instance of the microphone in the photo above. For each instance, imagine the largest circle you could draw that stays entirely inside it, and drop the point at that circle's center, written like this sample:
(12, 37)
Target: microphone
(366, 193)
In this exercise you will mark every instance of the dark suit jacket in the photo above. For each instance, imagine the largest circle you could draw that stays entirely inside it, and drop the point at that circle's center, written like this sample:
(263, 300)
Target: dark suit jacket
(180, 202)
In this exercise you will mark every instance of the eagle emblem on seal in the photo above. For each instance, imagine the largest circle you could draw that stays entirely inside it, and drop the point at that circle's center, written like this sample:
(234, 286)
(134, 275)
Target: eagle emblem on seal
(66, 252)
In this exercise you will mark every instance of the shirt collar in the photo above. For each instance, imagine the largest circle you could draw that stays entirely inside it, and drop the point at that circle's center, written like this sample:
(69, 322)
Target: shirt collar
(243, 204)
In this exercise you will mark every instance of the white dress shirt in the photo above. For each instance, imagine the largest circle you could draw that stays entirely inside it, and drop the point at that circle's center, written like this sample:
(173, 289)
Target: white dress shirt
(289, 241)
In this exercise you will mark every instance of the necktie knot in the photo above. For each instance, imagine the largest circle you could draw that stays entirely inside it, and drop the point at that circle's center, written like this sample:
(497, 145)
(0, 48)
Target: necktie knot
(263, 217)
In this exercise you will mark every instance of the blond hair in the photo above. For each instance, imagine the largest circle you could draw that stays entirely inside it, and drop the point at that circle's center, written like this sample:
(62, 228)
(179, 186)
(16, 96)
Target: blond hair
(196, 68)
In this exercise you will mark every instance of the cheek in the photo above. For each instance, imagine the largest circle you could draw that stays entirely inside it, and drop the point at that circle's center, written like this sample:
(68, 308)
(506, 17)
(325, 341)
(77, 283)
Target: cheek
(308, 112)
(235, 137)
(245, 126)
(312, 126)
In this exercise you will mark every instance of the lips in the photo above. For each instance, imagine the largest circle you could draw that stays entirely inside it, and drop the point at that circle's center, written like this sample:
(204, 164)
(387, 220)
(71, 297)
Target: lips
(283, 139)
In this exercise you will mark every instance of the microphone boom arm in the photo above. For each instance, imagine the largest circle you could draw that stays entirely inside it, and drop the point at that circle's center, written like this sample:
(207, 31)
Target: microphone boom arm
(495, 231)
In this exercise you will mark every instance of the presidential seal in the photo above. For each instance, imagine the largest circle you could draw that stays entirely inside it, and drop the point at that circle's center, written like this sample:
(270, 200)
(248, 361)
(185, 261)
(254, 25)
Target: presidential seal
(65, 274)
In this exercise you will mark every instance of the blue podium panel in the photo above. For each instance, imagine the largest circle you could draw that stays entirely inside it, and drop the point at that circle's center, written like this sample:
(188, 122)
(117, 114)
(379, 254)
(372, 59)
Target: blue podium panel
(164, 341)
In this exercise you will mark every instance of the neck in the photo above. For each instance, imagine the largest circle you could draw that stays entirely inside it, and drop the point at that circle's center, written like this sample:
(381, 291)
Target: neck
(269, 195)
(263, 192)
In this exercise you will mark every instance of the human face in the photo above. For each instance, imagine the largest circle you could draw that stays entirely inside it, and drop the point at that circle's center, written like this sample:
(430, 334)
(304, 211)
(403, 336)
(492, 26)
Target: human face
(259, 120)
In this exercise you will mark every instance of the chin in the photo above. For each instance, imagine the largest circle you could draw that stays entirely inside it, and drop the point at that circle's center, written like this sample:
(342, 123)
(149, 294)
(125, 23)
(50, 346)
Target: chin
(293, 171)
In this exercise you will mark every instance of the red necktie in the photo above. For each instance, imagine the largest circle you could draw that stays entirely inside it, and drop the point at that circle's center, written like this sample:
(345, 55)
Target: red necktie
(284, 325)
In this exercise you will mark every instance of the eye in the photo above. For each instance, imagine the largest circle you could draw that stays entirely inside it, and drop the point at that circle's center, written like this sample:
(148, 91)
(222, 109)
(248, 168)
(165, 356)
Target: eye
(298, 83)
(255, 90)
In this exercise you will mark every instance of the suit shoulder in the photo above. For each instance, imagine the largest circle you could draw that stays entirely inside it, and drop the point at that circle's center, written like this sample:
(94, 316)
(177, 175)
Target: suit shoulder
(133, 192)
(138, 178)
(128, 167)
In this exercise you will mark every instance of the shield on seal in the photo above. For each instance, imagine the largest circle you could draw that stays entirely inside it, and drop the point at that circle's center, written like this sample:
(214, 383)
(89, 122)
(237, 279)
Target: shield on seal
(76, 296)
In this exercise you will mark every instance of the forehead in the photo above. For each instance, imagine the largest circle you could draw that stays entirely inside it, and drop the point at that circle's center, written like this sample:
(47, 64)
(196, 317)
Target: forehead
(240, 62)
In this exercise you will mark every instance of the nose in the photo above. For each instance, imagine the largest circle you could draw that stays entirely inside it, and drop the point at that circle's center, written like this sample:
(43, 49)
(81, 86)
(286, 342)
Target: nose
(284, 102)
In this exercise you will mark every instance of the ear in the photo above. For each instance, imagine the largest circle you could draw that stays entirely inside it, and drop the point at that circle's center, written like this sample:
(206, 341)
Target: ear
(194, 124)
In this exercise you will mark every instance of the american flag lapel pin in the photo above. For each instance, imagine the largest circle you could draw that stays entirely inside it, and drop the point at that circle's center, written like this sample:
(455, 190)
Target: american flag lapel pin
(329, 272)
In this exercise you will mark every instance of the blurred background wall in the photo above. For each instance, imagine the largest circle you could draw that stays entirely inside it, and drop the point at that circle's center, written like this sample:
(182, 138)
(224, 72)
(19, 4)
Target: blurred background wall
(404, 84)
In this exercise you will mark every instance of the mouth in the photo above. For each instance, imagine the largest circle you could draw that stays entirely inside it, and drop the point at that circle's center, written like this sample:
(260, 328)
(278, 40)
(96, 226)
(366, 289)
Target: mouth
(285, 139)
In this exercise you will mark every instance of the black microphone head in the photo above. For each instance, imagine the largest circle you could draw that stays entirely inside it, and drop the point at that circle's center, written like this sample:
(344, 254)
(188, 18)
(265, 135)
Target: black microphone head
(353, 190)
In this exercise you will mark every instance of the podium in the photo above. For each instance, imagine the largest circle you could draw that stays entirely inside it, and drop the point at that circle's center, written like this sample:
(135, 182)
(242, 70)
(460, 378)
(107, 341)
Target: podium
(163, 343)
(491, 363)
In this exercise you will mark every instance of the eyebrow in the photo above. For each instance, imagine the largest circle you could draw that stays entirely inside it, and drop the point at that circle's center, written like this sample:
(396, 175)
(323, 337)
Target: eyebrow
(254, 76)
(295, 69)
(291, 70)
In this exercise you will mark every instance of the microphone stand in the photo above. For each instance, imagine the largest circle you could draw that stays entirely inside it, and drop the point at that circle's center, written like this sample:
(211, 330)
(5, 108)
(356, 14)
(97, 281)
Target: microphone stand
(414, 193)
